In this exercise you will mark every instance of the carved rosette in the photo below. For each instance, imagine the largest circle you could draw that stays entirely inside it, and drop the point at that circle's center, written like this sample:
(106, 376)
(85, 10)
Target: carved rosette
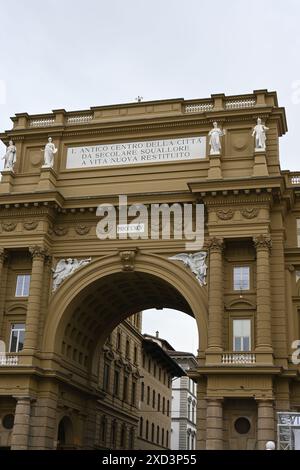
(250, 213)
(215, 244)
(128, 259)
(60, 230)
(30, 225)
(262, 242)
(82, 229)
(225, 214)
(38, 252)
(8, 226)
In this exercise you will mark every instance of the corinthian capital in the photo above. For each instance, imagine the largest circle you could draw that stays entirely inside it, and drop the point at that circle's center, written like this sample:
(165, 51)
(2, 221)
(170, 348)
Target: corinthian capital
(3, 255)
(38, 252)
(215, 244)
(262, 242)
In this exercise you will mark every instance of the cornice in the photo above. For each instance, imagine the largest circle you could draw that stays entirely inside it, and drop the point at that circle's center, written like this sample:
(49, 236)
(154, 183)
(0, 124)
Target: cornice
(145, 123)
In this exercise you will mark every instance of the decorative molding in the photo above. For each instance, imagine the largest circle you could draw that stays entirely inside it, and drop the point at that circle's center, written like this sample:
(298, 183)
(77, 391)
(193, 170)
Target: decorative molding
(30, 225)
(128, 259)
(250, 213)
(215, 244)
(60, 230)
(195, 262)
(225, 214)
(65, 268)
(38, 252)
(3, 255)
(9, 226)
(262, 242)
(82, 229)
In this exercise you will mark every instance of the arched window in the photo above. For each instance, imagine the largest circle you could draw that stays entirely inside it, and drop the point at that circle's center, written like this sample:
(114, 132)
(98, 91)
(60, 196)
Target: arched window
(113, 436)
(131, 439)
(152, 432)
(153, 399)
(147, 429)
(123, 437)
(157, 435)
(141, 426)
(103, 429)
(65, 433)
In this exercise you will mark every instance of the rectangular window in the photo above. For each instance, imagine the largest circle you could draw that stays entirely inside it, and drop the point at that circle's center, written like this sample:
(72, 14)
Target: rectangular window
(17, 335)
(116, 383)
(133, 393)
(106, 377)
(142, 391)
(242, 335)
(22, 285)
(241, 278)
(119, 341)
(125, 389)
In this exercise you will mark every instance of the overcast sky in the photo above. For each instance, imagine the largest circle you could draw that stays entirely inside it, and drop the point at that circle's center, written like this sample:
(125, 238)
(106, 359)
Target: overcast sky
(75, 54)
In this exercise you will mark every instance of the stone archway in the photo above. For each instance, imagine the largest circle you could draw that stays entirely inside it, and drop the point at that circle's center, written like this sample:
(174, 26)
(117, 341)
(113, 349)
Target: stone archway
(108, 290)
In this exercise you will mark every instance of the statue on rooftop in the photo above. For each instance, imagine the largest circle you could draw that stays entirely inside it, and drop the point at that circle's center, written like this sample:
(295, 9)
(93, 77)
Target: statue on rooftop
(10, 156)
(259, 131)
(215, 135)
(49, 152)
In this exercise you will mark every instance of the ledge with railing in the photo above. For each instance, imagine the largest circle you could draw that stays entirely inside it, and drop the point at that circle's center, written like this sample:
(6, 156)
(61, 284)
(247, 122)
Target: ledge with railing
(217, 102)
(238, 358)
(9, 360)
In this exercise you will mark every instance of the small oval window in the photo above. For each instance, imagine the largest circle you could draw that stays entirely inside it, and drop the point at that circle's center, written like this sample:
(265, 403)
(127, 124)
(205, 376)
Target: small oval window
(242, 425)
(8, 421)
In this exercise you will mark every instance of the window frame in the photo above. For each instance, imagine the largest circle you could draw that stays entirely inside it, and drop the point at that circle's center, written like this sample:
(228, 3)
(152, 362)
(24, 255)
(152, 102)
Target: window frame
(18, 336)
(251, 342)
(241, 266)
(22, 294)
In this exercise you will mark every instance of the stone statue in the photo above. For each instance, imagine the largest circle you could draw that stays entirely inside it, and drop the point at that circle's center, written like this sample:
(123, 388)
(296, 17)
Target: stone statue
(196, 263)
(259, 131)
(65, 268)
(10, 156)
(215, 135)
(49, 153)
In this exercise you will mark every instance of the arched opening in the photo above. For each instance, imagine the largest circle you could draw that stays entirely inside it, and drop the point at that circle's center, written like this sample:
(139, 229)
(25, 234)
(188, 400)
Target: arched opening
(84, 314)
(91, 303)
(65, 434)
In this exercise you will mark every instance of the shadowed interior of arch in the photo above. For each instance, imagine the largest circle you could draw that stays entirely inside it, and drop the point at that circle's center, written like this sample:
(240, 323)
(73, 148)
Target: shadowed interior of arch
(100, 307)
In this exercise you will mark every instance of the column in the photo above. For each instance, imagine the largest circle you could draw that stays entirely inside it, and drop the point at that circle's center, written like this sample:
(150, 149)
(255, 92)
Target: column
(215, 295)
(20, 434)
(45, 298)
(201, 414)
(34, 301)
(263, 294)
(3, 257)
(265, 423)
(214, 424)
(44, 425)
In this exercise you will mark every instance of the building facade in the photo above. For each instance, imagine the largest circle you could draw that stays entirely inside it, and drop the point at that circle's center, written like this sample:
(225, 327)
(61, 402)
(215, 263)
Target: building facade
(246, 305)
(184, 405)
(158, 371)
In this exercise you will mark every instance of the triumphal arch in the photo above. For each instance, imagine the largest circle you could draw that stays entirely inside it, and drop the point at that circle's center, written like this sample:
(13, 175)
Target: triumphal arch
(69, 276)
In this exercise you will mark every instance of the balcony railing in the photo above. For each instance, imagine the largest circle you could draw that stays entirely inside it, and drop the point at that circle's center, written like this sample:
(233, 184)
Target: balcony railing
(6, 360)
(238, 358)
(295, 179)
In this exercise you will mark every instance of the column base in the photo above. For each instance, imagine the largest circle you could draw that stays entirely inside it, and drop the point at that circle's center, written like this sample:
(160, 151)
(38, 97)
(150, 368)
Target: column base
(47, 179)
(215, 171)
(7, 181)
(260, 164)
